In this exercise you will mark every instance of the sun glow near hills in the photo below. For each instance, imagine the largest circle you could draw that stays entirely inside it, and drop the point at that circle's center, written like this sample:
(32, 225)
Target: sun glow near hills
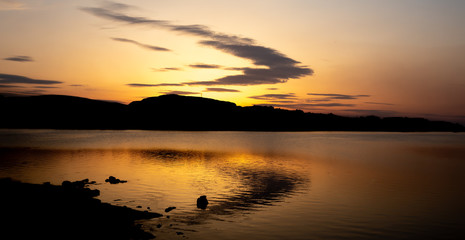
(361, 58)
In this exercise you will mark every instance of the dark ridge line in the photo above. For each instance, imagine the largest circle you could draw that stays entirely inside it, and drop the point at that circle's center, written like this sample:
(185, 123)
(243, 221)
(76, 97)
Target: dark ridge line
(187, 113)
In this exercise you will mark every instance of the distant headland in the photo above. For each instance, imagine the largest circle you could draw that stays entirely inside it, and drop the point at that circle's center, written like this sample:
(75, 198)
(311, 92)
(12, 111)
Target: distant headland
(174, 112)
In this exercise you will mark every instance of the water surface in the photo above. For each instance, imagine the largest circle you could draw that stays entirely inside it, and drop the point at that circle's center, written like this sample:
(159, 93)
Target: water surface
(316, 185)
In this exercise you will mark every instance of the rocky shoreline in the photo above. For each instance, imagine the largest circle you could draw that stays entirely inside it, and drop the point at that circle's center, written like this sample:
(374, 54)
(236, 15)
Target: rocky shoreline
(69, 211)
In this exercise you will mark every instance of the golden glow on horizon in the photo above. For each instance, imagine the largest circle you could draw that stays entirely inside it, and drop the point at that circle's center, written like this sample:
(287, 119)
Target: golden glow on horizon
(408, 65)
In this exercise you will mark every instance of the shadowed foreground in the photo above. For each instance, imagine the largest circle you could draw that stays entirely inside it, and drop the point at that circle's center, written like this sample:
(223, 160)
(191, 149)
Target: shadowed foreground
(70, 211)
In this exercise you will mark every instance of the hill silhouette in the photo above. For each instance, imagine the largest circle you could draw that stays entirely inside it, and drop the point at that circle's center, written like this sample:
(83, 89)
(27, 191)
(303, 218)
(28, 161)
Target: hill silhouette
(174, 112)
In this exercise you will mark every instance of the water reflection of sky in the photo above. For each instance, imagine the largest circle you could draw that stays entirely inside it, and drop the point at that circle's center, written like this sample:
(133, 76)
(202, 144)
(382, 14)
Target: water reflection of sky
(232, 182)
(257, 182)
(262, 185)
(235, 183)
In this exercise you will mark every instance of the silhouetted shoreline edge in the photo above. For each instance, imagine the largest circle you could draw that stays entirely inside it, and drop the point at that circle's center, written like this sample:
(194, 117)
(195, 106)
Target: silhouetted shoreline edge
(45, 211)
(174, 112)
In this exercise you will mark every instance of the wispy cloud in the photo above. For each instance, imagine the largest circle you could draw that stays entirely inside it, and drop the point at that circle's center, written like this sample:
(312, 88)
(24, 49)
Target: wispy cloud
(235, 68)
(220, 90)
(166, 69)
(274, 96)
(9, 86)
(366, 112)
(378, 103)
(309, 106)
(324, 100)
(16, 79)
(279, 68)
(22, 93)
(282, 101)
(19, 59)
(45, 87)
(180, 92)
(155, 85)
(195, 29)
(146, 46)
(116, 6)
(7, 5)
(333, 96)
(291, 101)
(204, 65)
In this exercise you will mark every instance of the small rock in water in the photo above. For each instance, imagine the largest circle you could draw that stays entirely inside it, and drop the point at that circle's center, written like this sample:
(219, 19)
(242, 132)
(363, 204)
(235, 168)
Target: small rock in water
(159, 225)
(169, 209)
(202, 202)
(113, 180)
(180, 233)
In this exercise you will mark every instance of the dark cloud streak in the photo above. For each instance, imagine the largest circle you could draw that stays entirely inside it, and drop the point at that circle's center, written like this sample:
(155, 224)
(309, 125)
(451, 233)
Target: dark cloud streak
(311, 105)
(45, 87)
(378, 103)
(116, 6)
(146, 46)
(207, 66)
(280, 68)
(16, 79)
(275, 96)
(19, 59)
(180, 92)
(9, 86)
(258, 54)
(166, 69)
(24, 93)
(195, 29)
(337, 96)
(220, 90)
(366, 112)
(155, 85)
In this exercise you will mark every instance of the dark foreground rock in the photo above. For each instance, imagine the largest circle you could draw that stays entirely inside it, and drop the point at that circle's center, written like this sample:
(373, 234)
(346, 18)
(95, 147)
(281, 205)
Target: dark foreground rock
(113, 180)
(169, 209)
(202, 202)
(34, 211)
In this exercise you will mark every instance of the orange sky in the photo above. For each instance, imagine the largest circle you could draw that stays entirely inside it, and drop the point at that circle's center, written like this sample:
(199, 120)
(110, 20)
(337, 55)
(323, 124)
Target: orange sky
(392, 58)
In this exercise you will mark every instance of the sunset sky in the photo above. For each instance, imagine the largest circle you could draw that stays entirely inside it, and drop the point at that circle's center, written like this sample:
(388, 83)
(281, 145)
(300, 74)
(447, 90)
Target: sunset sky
(358, 57)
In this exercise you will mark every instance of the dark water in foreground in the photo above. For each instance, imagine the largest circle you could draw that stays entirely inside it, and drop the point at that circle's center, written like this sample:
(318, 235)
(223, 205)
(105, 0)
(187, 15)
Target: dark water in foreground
(316, 185)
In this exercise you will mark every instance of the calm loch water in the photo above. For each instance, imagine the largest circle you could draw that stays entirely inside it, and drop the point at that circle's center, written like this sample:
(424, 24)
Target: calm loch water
(315, 185)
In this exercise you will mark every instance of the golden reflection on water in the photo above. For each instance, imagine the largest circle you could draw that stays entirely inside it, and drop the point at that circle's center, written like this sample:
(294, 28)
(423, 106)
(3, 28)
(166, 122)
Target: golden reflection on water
(364, 188)
(163, 177)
